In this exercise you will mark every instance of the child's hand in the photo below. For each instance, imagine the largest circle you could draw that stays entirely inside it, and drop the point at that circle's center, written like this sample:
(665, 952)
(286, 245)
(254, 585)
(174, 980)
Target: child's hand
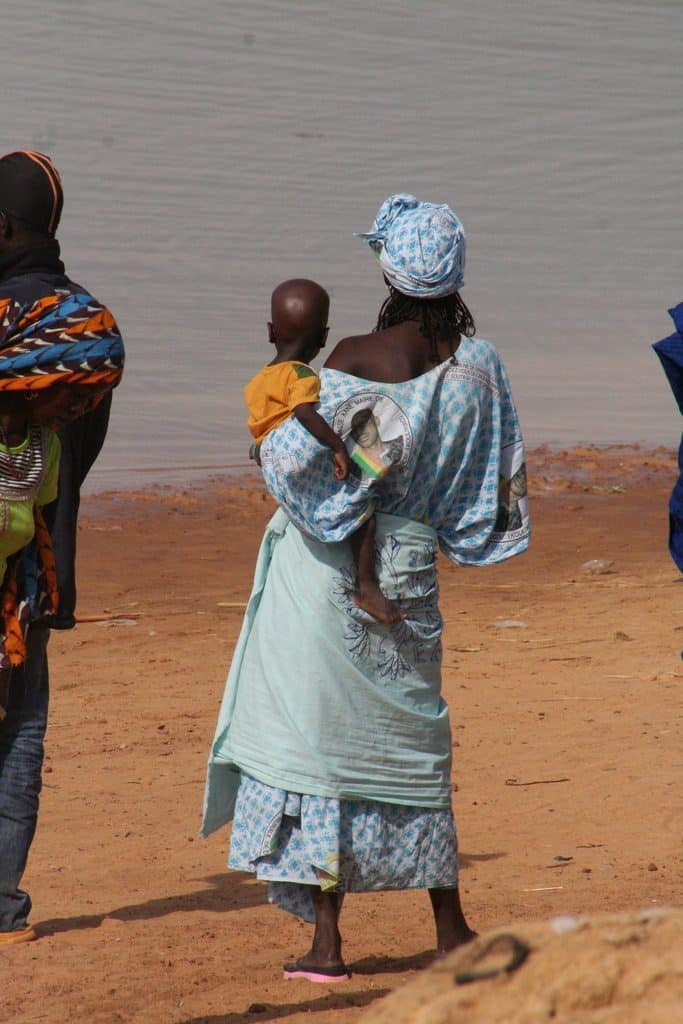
(341, 464)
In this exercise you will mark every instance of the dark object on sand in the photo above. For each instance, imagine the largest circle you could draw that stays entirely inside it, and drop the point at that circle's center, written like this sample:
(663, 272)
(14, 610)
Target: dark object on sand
(519, 951)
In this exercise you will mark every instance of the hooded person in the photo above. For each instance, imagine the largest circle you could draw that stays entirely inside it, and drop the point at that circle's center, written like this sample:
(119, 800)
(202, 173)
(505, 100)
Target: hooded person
(670, 352)
(61, 353)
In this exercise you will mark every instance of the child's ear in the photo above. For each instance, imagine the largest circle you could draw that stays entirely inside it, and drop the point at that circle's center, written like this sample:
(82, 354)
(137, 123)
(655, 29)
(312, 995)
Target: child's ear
(271, 333)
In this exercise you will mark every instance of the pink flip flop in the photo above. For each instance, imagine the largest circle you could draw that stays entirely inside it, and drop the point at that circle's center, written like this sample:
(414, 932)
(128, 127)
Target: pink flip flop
(319, 975)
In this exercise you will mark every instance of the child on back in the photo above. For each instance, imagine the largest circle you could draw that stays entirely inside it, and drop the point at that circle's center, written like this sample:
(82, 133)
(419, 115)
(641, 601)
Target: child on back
(288, 386)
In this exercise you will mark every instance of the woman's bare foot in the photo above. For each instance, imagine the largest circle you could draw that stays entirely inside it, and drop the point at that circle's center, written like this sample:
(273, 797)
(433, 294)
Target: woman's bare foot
(452, 930)
(307, 968)
(323, 962)
(371, 599)
(455, 941)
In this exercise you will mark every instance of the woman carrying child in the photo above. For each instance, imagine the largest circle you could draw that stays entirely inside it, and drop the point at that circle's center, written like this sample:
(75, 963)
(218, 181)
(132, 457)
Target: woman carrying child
(333, 747)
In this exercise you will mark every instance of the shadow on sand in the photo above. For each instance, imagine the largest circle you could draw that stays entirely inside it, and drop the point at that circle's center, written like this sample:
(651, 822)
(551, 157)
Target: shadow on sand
(226, 892)
(467, 860)
(394, 964)
(266, 1011)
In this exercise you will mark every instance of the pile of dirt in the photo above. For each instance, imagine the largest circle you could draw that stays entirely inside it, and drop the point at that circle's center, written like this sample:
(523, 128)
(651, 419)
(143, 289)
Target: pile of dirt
(612, 969)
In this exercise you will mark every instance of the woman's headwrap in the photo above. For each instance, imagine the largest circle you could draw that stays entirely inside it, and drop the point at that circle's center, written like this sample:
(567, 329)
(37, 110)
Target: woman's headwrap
(420, 246)
(31, 189)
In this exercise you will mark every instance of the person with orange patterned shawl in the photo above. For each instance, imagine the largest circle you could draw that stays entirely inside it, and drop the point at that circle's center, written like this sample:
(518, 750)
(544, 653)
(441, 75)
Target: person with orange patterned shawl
(61, 353)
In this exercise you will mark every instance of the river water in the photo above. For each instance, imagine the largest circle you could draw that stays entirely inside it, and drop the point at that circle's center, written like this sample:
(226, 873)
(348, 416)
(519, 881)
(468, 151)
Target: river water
(209, 150)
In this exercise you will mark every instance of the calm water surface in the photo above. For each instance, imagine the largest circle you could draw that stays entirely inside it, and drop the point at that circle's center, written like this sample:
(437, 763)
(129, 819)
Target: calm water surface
(210, 150)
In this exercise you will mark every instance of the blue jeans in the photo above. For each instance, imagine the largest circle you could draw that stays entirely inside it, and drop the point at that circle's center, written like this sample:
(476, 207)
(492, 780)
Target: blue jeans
(21, 762)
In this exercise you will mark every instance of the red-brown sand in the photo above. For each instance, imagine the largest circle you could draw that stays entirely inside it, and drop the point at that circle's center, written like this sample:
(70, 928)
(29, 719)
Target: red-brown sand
(566, 732)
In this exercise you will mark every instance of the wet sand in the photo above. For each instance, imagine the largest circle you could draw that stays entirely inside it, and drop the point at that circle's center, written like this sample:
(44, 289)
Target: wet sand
(566, 732)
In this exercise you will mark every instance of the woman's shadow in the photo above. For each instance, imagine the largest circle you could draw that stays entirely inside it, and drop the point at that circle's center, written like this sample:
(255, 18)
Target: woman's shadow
(225, 892)
(267, 1011)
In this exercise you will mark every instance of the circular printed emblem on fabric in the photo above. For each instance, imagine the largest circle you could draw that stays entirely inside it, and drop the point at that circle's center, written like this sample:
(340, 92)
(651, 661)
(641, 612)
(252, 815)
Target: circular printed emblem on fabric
(376, 432)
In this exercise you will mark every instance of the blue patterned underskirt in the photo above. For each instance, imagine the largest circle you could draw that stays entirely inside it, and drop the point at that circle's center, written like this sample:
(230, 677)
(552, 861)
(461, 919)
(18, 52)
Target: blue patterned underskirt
(293, 841)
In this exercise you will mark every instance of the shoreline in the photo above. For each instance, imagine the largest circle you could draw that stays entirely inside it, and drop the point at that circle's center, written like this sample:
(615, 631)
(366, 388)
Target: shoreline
(545, 463)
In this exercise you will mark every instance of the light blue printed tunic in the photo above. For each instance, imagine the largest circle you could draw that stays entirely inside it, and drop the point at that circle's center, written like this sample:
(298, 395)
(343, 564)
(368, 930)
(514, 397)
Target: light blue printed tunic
(453, 444)
(333, 746)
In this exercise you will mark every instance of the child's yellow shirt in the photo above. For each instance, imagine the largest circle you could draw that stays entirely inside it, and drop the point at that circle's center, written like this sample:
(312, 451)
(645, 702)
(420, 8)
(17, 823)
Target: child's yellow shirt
(274, 393)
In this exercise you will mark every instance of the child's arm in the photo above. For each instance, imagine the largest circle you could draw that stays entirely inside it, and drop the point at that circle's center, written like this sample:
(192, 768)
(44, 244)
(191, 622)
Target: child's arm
(312, 421)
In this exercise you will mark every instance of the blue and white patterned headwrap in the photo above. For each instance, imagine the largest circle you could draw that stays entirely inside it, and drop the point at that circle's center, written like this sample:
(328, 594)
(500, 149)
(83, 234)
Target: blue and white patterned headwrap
(420, 246)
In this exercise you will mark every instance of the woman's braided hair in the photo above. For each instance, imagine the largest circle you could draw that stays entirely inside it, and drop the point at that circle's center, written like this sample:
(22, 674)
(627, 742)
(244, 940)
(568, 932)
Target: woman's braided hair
(439, 319)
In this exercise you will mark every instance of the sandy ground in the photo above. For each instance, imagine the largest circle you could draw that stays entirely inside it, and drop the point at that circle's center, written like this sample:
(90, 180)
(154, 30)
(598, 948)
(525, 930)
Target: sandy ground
(566, 729)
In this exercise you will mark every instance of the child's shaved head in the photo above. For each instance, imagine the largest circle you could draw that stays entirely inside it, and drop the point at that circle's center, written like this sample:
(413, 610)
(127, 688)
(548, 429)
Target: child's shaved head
(299, 308)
